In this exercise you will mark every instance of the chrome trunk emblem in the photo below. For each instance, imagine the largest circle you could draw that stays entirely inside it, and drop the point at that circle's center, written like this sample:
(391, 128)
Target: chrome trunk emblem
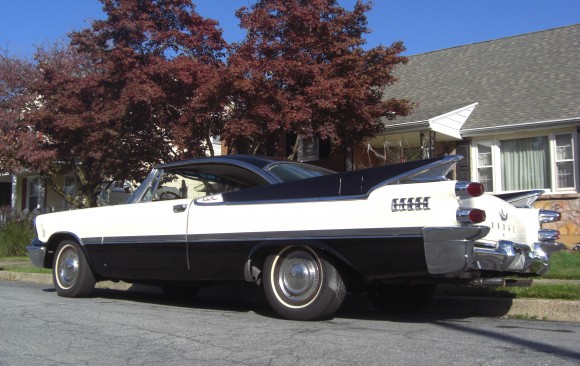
(503, 215)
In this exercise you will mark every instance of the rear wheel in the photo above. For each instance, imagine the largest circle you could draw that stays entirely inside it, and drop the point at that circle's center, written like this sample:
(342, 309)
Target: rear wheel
(401, 298)
(71, 274)
(302, 285)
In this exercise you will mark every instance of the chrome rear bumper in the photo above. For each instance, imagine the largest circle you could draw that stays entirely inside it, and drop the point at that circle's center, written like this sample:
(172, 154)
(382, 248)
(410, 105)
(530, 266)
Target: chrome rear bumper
(455, 249)
(515, 257)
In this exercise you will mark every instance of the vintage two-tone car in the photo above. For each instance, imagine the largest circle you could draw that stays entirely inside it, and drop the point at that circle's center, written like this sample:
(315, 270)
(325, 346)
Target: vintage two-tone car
(306, 234)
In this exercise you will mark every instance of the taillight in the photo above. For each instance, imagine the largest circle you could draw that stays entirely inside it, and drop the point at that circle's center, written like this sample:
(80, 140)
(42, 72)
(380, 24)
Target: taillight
(470, 215)
(472, 189)
(475, 189)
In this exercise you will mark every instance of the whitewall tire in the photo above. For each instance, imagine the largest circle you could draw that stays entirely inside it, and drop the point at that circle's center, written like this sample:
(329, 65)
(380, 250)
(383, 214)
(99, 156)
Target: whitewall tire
(71, 274)
(300, 284)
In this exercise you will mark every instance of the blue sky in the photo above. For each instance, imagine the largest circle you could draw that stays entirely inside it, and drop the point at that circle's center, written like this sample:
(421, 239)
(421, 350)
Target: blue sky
(423, 25)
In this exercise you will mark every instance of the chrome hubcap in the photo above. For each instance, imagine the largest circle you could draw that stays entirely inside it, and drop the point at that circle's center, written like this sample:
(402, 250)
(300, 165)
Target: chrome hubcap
(299, 276)
(68, 267)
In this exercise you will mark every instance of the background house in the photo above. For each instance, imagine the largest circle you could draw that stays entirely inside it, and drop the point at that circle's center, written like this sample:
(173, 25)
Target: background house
(511, 106)
(26, 192)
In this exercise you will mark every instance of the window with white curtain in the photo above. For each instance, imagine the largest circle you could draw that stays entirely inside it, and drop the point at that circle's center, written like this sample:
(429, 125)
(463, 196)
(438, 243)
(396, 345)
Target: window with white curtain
(564, 161)
(525, 163)
(537, 162)
(485, 165)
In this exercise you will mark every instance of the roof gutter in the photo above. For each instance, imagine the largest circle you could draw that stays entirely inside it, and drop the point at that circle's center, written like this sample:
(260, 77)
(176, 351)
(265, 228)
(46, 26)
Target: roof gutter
(448, 124)
(407, 127)
(473, 132)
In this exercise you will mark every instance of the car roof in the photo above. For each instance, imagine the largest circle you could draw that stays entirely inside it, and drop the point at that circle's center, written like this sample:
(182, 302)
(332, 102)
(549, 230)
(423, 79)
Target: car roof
(256, 161)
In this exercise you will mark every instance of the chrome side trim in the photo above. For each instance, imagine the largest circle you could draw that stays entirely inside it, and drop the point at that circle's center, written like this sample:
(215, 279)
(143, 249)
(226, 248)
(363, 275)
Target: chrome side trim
(150, 239)
(367, 233)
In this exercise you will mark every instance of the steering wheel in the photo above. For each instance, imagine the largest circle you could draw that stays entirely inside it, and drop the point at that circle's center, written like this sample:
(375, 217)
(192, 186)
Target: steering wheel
(168, 195)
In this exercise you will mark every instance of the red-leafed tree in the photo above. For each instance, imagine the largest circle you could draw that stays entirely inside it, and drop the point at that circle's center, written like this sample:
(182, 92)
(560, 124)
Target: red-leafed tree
(142, 86)
(302, 70)
(18, 141)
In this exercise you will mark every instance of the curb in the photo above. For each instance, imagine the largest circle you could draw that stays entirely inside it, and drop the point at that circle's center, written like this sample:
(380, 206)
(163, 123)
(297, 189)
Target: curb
(539, 309)
(46, 279)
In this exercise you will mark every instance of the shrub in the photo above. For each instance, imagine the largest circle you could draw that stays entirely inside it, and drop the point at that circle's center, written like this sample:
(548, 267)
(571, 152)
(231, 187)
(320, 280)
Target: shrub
(16, 232)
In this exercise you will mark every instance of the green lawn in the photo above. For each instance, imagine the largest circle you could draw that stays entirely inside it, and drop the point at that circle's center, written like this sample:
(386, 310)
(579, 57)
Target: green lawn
(20, 264)
(537, 291)
(26, 269)
(564, 265)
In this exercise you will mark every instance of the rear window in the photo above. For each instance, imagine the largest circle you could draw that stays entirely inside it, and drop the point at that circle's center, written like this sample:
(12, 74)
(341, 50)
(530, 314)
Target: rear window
(288, 172)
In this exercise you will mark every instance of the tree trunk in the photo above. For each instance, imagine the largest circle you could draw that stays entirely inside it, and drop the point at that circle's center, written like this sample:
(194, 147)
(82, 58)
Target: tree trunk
(50, 180)
(209, 145)
(349, 158)
(292, 156)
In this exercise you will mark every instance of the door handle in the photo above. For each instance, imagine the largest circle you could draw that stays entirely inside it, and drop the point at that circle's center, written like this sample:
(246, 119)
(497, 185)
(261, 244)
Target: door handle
(179, 208)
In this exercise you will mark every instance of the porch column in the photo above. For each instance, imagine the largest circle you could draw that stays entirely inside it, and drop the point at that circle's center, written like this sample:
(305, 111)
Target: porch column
(427, 141)
(13, 194)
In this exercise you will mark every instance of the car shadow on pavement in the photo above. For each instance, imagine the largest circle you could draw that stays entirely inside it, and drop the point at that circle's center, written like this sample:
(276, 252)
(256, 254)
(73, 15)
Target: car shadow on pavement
(249, 298)
(224, 298)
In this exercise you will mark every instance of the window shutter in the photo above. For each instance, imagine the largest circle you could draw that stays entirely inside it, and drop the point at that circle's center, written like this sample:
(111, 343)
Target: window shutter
(463, 167)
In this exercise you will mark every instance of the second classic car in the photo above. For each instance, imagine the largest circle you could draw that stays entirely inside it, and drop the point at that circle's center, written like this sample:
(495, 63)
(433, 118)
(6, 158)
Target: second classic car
(306, 234)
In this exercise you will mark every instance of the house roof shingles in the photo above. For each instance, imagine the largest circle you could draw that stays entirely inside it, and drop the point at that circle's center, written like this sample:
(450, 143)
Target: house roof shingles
(533, 77)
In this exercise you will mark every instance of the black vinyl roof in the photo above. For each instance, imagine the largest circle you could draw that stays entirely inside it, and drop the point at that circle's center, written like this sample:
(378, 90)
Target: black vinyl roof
(343, 184)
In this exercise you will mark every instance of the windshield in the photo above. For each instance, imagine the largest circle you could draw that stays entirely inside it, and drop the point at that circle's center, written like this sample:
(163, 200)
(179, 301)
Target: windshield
(287, 171)
(144, 187)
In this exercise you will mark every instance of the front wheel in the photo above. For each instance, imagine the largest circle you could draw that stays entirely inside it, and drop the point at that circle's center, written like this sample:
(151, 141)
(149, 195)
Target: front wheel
(301, 285)
(71, 274)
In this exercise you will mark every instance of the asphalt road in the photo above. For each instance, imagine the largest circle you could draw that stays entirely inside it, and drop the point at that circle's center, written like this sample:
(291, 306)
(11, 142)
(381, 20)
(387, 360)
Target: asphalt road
(129, 328)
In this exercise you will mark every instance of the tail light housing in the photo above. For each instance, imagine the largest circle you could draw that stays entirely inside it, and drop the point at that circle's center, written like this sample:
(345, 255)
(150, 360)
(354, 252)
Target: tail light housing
(469, 189)
(548, 235)
(549, 216)
(470, 215)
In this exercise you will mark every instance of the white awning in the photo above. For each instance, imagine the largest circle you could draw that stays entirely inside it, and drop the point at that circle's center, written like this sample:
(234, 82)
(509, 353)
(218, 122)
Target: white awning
(447, 126)
(450, 123)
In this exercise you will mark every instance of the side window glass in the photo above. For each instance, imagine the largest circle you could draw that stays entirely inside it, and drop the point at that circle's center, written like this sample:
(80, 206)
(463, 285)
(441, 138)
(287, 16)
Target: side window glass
(189, 182)
(185, 184)
(174, 185)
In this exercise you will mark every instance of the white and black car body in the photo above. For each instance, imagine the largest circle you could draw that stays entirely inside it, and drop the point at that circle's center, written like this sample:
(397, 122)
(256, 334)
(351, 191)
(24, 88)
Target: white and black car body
(305, 234)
